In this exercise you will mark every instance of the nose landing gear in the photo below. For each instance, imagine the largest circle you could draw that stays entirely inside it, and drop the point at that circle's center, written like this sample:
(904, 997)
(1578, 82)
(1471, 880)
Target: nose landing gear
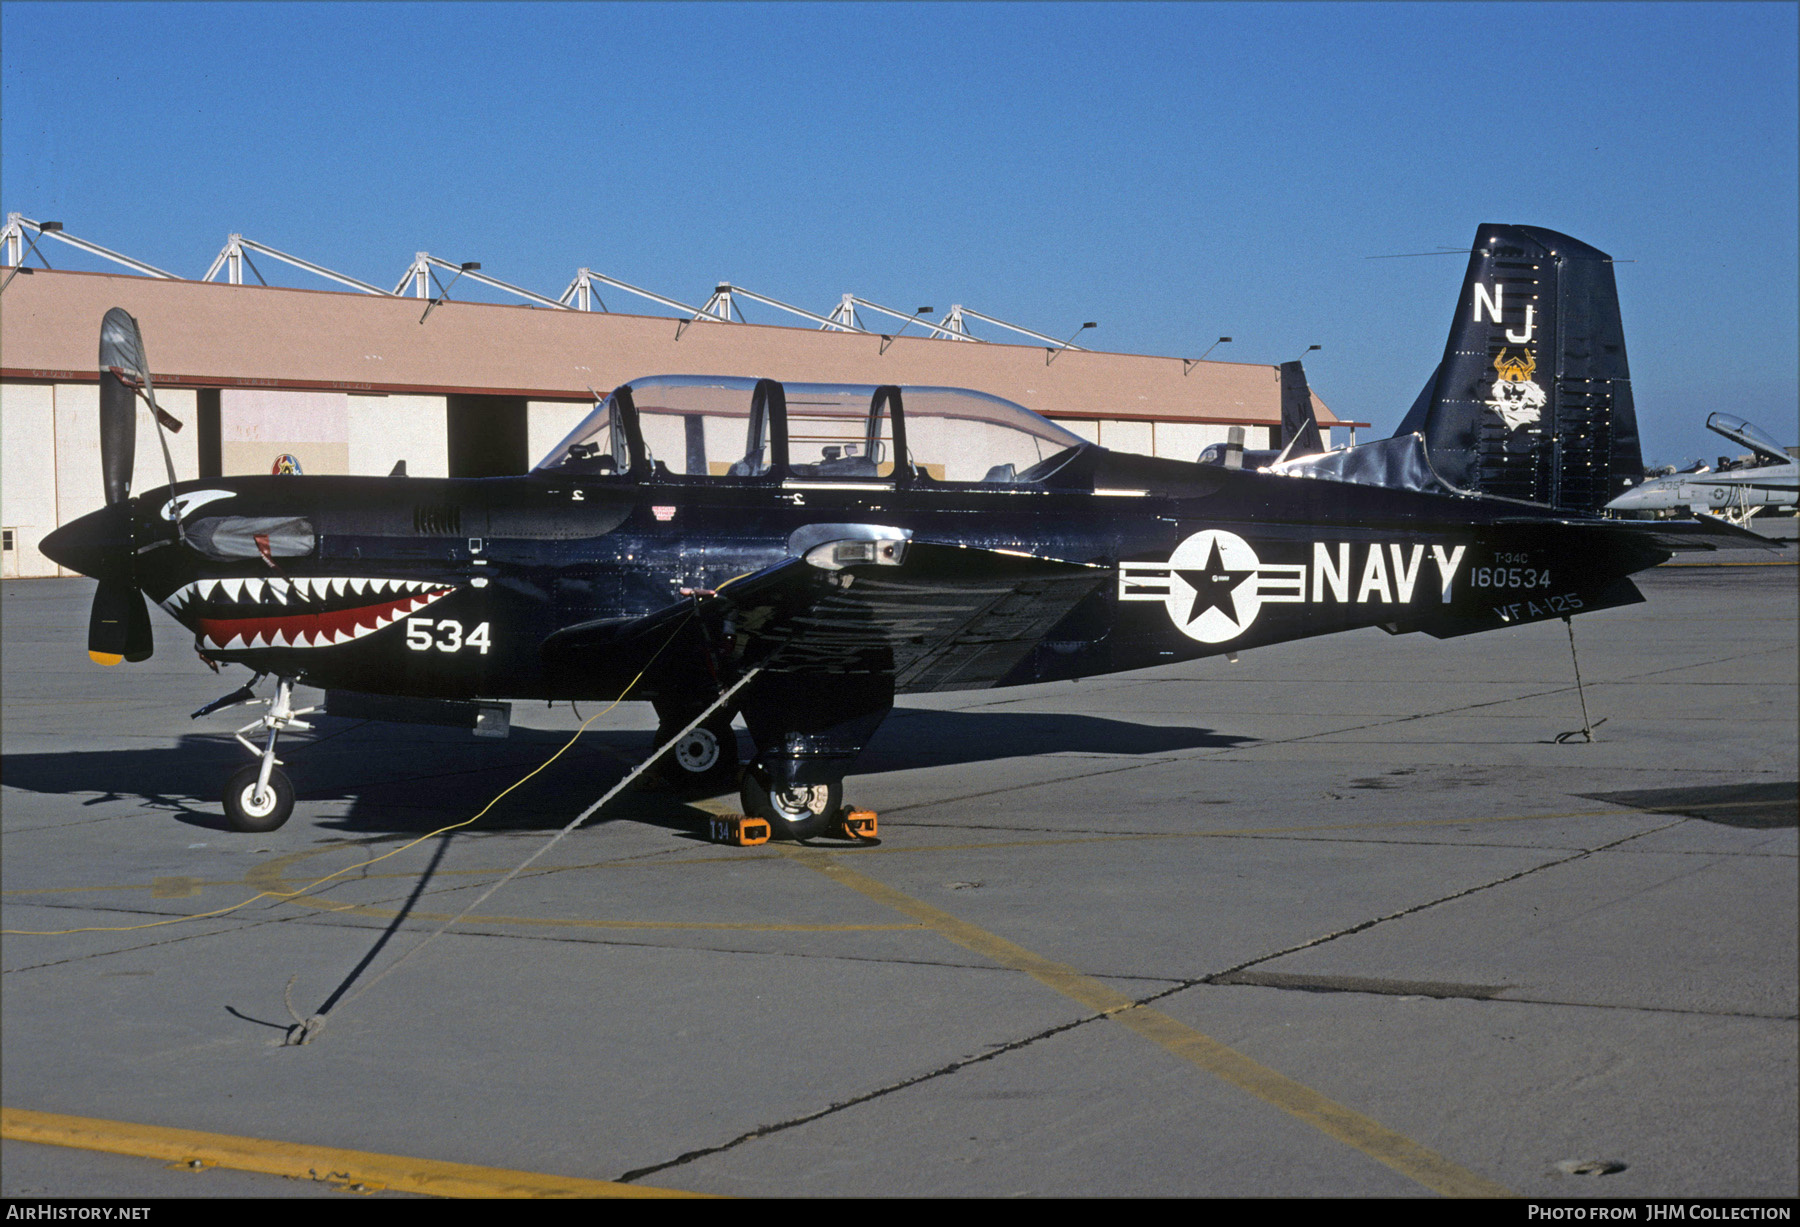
(260, 797)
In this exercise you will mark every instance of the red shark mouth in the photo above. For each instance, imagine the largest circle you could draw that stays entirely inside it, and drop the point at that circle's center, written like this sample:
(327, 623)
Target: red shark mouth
(296, 617)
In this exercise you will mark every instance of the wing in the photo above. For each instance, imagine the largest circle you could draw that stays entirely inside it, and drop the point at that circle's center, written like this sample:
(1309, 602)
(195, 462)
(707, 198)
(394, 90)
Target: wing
(943, 617)
(934, 616)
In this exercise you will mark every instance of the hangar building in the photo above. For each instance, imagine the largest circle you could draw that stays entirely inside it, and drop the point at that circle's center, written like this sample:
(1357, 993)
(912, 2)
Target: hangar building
(353, 383)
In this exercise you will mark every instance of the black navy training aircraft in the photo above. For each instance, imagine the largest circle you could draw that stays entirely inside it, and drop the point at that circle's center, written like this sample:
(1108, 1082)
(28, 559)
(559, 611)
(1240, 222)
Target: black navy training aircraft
(836, 546)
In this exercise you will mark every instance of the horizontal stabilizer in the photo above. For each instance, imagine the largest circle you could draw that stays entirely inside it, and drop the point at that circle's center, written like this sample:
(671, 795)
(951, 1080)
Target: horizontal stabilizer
(1704, 532)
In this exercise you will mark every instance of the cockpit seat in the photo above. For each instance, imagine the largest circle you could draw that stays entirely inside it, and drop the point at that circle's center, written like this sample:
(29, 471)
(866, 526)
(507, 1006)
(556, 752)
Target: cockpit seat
(838, 466)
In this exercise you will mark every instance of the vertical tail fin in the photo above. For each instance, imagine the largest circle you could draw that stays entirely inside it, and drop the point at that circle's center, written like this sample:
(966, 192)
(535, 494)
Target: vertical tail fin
(1533, 398)
(1299, 424)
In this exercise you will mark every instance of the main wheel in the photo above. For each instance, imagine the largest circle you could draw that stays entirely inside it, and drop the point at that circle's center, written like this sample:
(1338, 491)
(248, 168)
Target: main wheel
(793, 813)
(706, 758)
(246, 811)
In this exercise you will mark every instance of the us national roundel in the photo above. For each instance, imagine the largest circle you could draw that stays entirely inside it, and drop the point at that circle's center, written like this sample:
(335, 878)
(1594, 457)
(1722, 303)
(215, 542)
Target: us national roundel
(1212, 586)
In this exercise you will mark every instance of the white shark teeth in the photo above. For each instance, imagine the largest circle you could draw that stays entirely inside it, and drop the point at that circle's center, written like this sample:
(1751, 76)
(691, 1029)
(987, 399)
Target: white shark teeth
(277, 591)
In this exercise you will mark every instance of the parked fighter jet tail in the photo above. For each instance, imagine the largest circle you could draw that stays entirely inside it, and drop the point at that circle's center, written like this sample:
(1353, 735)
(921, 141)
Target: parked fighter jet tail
(1533, 397)
(1300, 434)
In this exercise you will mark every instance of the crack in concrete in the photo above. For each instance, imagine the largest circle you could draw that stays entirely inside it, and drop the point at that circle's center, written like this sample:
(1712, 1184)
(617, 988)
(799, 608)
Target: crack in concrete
(857, 1100)
(1415, 909)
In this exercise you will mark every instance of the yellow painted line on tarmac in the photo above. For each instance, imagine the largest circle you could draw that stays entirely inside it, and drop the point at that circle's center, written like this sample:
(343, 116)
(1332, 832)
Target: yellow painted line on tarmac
(270, 875)
(299, 1161)
(1405, 1156)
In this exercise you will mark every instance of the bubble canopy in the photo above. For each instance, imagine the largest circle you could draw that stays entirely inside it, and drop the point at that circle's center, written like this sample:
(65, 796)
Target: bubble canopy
(726, 428)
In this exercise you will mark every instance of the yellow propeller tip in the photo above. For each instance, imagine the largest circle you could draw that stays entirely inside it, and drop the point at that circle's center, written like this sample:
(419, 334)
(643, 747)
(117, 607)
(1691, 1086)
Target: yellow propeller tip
(103, 658)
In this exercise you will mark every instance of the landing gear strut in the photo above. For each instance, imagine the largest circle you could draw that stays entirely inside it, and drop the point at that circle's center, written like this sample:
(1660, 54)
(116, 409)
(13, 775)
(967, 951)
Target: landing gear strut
(260, 797)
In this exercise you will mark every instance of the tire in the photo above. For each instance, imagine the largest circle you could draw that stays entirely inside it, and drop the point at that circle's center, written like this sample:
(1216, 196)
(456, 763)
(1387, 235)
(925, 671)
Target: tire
(245, 813)
(794, 813)
(706, 759)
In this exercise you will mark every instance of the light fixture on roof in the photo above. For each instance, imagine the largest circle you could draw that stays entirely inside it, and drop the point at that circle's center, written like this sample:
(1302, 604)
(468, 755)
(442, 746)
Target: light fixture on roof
(887, 340)
(1188, 364)
(467, 266)
(42, 228)
(1050, 354)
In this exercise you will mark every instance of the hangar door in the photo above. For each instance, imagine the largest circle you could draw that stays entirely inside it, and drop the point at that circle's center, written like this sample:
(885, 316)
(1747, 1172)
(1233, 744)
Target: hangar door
(487, 435)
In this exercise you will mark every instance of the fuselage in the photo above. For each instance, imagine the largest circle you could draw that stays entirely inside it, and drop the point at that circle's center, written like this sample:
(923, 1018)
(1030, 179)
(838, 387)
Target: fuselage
(449, 588)
(1762, 485)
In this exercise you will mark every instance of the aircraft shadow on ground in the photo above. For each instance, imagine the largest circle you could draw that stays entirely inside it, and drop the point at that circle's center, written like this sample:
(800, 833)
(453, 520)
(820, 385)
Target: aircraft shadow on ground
(401, 779)
(1758, 806)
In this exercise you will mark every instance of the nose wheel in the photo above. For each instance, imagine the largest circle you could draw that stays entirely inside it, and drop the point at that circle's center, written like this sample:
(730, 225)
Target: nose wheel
(260, 797)
(800, 812)
(254, 805)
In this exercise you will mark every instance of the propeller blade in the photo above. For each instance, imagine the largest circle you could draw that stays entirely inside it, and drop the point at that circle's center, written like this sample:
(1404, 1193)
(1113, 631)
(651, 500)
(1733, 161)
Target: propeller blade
(118, 437)
(140, 640)
(121, 366)
(119, 626)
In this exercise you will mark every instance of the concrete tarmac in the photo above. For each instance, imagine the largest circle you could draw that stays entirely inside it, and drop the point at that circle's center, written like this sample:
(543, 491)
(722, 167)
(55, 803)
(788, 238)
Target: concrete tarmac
(1344, 918)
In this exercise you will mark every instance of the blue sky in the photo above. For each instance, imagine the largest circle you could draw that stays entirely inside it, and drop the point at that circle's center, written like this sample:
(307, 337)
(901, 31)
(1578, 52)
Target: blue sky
(1175, 172)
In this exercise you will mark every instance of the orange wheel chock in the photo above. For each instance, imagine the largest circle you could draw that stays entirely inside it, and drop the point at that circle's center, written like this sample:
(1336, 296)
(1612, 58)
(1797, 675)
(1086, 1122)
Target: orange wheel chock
(857, 823)
(739, 830)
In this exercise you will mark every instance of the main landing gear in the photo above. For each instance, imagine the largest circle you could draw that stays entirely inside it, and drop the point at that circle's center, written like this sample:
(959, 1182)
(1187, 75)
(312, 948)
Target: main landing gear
(705, 758)
(801, 811)
(260, 797)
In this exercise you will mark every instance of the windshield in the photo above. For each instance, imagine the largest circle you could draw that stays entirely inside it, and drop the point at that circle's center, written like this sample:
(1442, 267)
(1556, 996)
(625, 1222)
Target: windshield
(692, 425)
(597, 445)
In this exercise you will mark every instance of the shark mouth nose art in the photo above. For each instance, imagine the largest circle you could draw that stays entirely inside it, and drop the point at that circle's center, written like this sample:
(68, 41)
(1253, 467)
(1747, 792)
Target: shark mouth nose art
(303, 612)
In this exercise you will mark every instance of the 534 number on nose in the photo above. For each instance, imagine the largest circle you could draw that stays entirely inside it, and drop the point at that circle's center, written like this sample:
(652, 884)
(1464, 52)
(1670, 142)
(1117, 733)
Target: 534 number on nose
(444, 634)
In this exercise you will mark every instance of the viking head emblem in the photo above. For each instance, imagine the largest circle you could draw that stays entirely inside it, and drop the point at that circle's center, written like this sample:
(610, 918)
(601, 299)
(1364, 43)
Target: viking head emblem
(1516, 398)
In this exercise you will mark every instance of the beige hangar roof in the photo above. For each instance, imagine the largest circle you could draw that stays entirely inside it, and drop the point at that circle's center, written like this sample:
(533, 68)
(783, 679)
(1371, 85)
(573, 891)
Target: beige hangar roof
(203, 334)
